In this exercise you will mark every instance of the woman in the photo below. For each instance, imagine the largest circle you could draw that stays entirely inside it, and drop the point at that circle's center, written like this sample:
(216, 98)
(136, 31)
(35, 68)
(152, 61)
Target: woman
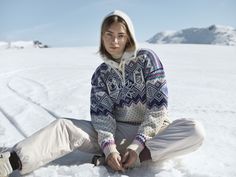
(129, 121)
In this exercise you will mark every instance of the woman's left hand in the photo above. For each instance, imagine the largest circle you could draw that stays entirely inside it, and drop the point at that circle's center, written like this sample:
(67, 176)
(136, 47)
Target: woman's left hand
(129, 158)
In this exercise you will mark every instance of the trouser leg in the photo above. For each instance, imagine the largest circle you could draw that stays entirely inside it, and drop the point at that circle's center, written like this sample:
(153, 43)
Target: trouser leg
(125, 134)
(180, 137)
(57, 139)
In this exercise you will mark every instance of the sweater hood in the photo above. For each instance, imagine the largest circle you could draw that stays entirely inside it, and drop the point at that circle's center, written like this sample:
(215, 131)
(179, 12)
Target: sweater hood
(128, 55)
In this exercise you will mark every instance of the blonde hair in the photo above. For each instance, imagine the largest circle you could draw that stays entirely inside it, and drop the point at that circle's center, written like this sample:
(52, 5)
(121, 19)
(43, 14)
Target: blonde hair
(130, 45)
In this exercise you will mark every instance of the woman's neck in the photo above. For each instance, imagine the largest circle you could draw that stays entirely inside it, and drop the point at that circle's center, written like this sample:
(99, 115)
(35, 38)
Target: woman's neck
(117, 58)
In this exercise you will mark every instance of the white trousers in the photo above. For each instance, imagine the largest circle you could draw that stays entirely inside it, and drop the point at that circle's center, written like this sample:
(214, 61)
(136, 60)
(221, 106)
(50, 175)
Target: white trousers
(65, 135)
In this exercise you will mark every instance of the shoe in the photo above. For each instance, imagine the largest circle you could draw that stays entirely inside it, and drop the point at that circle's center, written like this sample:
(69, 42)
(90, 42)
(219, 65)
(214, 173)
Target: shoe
(5, 166)
(99, 160)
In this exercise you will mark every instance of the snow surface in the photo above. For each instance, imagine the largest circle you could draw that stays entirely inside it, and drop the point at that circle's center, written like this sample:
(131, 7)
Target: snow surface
(21, 44)
(214, 34)
(39, 85)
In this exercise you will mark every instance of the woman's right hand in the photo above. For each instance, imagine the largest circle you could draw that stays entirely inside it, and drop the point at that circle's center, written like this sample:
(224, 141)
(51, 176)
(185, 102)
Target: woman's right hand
(114, 161)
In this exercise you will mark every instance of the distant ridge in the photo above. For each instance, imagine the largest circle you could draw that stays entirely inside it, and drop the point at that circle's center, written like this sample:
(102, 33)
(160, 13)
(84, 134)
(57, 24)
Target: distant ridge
(22, 44)
(214, 34)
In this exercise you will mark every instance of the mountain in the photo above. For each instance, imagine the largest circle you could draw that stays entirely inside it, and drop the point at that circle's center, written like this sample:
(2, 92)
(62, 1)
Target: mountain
(214, 34)
(21, 44)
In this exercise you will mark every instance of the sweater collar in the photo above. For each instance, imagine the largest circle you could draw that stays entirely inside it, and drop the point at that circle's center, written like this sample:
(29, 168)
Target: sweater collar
(126, 57)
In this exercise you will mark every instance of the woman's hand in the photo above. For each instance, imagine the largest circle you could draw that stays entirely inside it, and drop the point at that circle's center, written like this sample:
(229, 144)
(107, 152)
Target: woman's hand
(129, 158)
(114, 161)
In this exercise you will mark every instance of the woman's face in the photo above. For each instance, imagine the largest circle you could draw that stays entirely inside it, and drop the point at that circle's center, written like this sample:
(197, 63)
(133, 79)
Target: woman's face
(115, 39)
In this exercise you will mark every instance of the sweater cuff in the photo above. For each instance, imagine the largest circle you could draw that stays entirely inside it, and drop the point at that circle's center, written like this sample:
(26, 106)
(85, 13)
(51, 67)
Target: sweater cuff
(136, 146)
(110, 149)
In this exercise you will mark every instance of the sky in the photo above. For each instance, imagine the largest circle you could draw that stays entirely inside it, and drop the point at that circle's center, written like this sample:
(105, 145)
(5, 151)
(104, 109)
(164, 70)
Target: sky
(69, 23)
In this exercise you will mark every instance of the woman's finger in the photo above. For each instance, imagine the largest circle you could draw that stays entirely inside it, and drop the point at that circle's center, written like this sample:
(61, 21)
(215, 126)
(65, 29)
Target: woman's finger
(114, 164)
(125, 157)
(117, 163)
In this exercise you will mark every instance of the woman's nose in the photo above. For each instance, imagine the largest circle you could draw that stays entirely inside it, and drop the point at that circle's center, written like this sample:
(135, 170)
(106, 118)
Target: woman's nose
(115, 40)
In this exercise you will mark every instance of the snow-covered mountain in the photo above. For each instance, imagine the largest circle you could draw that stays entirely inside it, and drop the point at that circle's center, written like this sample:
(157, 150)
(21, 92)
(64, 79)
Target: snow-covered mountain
(22, 44)
(214, 34)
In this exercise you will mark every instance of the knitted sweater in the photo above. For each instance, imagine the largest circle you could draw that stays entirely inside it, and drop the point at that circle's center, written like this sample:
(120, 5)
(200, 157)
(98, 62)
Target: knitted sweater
(133, 91)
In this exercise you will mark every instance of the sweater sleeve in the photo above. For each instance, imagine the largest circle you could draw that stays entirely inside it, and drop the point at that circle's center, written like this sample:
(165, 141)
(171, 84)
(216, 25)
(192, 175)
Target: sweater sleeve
(101, 110)
(157, 100)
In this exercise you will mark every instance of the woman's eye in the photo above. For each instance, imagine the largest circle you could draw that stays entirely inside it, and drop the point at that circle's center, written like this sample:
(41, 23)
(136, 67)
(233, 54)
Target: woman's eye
(109, 34)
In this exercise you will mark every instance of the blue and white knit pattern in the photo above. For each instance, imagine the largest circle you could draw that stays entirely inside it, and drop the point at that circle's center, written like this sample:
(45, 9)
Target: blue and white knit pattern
(140, 97)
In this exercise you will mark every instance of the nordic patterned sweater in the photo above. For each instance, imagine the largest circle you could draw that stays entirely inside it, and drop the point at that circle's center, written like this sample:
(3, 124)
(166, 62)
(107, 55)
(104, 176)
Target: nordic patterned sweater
(133, 91)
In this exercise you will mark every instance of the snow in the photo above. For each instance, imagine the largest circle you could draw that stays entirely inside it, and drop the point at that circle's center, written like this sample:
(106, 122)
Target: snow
(3, 45)
(21, 45)
(38, 86)
(214, 34)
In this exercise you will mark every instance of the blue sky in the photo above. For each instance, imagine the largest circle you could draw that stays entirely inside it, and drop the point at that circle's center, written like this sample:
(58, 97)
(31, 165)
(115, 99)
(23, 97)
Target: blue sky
(62, 23)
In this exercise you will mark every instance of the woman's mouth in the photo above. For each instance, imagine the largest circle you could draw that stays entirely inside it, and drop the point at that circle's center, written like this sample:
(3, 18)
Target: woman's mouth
(114, 47)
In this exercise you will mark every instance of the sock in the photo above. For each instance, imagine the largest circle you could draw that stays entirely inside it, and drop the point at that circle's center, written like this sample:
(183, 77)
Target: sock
(15, 161)
(145, 155)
